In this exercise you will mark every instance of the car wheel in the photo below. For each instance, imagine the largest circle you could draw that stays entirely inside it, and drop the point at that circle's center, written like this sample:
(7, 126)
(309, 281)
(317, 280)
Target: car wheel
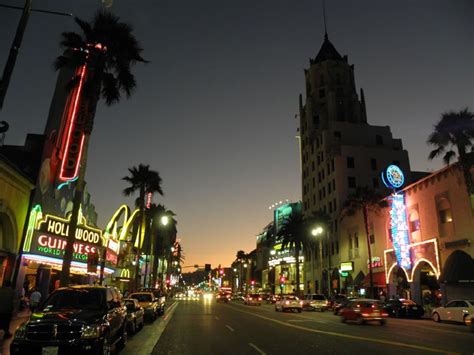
(123, 338)
(382, 322)
(276, 309)
(464, 320)
(299, 310)
(343, 319)
(106, 347)
(436, 317)
(360, 321)
(133, 327)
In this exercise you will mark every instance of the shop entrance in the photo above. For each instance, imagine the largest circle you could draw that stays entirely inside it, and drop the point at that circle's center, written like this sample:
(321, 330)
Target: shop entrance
(398, 286)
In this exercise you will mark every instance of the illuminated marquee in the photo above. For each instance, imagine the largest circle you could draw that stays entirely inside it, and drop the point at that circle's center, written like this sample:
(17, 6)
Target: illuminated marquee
(399, 229)
(50, 245)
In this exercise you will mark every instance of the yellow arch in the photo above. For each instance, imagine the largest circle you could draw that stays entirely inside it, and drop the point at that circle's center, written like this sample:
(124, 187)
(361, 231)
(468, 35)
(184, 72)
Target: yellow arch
(391, 269)
(436, 271)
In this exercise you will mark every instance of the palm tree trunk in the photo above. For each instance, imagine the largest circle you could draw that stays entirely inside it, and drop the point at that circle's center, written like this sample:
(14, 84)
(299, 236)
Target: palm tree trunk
(369, 251)
(78, 194)
(140, 237)
(466, 164)
(155, 261)
(297, 253)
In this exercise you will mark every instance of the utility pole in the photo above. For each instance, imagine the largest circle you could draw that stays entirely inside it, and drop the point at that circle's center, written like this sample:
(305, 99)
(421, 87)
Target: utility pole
(15, 48)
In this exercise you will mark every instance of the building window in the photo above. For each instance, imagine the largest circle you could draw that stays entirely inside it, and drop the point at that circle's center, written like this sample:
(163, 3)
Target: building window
(330, 207)
(356, 241)
(332, 164)
(316, 119)
(351, 182)
(334, 205)
(373, 164)
(371, 233)
(414, 225)
(350, 162)
(322, 156)
(319, 177)
(319, 160)
(320, 195)
(327, 169)
(314, 182)
(337, 246)
(334, 185)
(324, 192)
(445, 215)
(322, 93)
(329, 188)
(337, 134)
(375, 183)
(378, 139)
(321, 80)
(312, 166)
(314, 199)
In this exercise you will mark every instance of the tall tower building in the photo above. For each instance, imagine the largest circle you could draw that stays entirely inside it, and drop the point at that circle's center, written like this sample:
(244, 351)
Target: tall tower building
(340, 151)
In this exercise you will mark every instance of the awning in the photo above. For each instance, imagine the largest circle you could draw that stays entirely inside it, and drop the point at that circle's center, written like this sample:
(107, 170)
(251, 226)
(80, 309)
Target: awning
(358, 279)
(379, 279)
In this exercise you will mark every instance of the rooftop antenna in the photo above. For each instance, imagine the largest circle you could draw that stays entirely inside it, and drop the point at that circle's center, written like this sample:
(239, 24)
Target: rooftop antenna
(324, 18)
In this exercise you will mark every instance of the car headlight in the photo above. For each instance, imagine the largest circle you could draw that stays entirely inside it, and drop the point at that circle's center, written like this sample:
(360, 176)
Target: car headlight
(90, 332)
(20, 333)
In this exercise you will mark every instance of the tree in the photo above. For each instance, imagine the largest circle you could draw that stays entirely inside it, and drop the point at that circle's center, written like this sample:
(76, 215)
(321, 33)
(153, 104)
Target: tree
(145, 181)
(318, 219)
(294, 234)
(241, 258)
(455, 131)
(366, 200)
(160, 237)
(101, 56)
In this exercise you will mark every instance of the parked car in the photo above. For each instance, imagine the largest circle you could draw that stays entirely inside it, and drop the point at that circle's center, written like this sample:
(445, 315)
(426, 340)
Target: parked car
(223, 297)
(160, 298)
(454, 311)
(289, 303)
(336, 300)
(149, 302)
(77, 319)
(404, 308)
(253, 299)
(364, 310)
(273, 298)
(337, 308)
(469, 321)
(135, 315)
(315, 302)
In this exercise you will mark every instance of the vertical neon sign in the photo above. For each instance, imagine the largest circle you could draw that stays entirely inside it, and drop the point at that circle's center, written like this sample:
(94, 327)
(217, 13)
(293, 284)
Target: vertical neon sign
(399, 228)
(72, 152)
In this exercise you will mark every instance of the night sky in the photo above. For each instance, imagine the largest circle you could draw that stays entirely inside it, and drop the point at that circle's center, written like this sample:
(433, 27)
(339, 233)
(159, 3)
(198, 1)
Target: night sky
(214, 110)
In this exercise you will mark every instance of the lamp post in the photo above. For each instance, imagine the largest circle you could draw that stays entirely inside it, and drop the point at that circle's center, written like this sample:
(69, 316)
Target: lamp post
(317, 231)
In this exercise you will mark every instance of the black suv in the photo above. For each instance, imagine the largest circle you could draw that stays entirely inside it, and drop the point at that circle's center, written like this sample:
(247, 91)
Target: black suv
(76, 319)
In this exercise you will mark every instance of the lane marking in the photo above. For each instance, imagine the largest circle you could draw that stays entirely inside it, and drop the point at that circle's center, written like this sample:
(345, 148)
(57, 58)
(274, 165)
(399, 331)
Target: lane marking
(353, 337)
(260, 351)
(216, 317)
(230, 328)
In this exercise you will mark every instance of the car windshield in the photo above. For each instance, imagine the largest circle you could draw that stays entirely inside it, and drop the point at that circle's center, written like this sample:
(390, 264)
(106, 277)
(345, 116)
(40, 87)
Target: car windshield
(142, 297)
(90, 299)
(130, 305)
(291, 298)
(369, 304)
(408, 302)
(319, 297)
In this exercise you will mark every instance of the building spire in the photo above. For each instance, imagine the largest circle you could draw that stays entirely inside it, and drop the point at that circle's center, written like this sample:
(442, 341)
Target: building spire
(324, 19)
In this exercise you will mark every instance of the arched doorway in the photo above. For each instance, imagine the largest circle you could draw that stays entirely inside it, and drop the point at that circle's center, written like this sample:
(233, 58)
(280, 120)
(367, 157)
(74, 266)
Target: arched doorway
(425, 286)
(398, 285)
(457, 277)
(8, 245)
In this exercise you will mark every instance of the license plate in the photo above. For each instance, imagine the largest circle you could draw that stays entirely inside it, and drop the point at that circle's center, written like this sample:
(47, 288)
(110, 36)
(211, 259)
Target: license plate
(50, 350)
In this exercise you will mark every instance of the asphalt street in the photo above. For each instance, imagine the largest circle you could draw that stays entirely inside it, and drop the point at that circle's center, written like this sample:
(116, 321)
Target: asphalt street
(207, 327)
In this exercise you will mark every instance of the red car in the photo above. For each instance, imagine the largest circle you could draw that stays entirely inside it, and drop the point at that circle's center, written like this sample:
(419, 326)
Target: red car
(364, 310)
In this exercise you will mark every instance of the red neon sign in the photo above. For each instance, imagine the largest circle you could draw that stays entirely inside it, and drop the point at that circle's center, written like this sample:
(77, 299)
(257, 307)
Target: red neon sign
(71, 155)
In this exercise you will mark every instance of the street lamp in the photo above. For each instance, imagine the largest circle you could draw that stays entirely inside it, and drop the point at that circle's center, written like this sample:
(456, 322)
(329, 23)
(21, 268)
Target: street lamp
(319, 230)
(164, 220)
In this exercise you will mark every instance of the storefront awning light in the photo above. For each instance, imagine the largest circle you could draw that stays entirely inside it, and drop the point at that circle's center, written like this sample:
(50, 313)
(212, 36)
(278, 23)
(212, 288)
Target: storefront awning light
(76, 266)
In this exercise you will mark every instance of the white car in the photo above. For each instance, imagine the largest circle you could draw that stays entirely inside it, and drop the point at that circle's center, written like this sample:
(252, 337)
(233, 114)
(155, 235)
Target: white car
(291, 303)
(315, 302)
(454, 311)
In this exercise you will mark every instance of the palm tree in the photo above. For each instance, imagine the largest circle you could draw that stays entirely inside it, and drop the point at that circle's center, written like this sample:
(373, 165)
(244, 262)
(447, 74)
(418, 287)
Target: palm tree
(318, 219)
(103, 53)
(295, 233)
(366, 200)
(241, 258)
(455, 130)
(145, 181)
(160, 237)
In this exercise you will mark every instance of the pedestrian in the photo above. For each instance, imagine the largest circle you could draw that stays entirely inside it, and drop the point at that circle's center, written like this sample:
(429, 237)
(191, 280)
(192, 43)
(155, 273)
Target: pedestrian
(35, 299)
(7, 304)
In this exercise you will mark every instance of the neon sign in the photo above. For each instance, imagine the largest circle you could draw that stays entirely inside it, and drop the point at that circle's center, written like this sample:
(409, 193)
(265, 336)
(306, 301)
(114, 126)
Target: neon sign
(54, 246)
(399, 228)
(393, 177)
(72, 148)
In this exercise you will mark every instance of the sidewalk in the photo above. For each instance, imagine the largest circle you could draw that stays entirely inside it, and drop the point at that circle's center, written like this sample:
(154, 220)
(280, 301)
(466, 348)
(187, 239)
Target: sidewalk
(17, 319)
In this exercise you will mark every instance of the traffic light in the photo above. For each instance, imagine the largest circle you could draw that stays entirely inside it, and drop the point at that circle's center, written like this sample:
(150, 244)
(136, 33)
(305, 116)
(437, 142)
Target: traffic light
(252, 282)
(221, 271)
(207, 267)
(282, 279)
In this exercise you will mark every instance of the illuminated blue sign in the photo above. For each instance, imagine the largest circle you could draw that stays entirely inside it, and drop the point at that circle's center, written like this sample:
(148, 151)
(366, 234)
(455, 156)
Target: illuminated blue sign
(393, 177)
(399, 229)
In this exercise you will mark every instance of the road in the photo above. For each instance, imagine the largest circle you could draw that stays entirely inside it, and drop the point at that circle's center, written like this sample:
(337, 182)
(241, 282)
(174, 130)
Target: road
(203, 327)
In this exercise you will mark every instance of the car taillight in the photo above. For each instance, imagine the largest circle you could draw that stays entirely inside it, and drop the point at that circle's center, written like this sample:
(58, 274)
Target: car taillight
(385, 314)
(287, 302)
(260, 298)
(365, 314)
(301, 302)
